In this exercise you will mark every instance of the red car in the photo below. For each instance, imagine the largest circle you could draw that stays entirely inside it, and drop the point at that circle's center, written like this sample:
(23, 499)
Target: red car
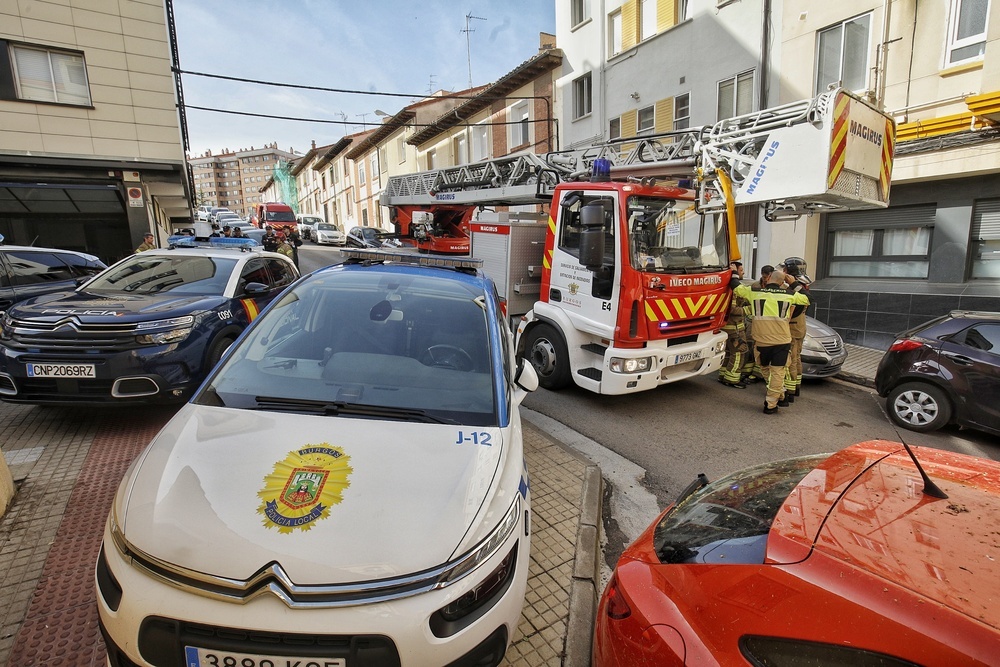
(823, 560)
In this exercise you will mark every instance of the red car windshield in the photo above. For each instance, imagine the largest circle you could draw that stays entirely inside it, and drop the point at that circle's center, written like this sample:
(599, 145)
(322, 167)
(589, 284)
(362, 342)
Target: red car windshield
(728, 520)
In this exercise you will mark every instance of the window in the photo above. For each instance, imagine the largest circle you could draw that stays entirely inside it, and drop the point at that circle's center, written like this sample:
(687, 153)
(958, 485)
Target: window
(646, 120)
(519, 135)
(579, 11)
(569, 235)
(382, 160)
(682, 111)
(647, 19)
(736, 96)
(361, 172)
(582, 96)
(966, 30)
(615, 129)
(615, 34)
(364, 217)
(374, 164)
(682, 10)
(460, 149)
(401, 149)
(47, 75)
(481, 143)
(30, 267)
(985, 337)
(985, 245)
(842, 55)
(431, 158)
(894, 243)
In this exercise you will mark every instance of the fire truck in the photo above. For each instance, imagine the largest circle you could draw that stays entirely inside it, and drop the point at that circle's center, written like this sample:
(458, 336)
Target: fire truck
(624, 285)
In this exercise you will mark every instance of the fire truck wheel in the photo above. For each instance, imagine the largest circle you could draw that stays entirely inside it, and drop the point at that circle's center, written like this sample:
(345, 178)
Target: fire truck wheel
(547, 352)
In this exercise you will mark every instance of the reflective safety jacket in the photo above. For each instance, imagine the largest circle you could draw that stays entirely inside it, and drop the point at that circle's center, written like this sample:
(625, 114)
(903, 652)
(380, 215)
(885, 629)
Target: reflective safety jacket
(772, 308)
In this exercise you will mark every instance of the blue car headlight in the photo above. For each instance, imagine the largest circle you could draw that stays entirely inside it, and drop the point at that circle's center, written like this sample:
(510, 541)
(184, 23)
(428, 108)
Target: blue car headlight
(173, 330)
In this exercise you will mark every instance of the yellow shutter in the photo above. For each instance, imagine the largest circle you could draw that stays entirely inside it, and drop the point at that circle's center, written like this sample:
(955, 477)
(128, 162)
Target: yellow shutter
(630, 25)
(630, 120)
(666, 14)
(663, 115)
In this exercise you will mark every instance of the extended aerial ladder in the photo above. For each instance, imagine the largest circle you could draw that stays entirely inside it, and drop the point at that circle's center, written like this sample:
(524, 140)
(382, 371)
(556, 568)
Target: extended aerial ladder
(831, 152)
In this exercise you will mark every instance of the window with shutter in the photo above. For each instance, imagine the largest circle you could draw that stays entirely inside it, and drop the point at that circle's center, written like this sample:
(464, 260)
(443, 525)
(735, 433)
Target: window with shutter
(985, 241)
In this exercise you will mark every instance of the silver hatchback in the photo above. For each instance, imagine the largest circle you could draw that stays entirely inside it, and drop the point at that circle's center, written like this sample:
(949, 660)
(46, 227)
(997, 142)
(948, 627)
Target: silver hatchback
(823, 351)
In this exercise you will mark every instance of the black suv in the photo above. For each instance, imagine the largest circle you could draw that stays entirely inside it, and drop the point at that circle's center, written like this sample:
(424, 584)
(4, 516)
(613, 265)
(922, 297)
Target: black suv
(946, 370)
(26, 271)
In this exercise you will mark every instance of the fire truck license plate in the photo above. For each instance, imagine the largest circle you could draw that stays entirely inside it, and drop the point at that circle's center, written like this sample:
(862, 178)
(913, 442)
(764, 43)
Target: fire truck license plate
(686, 357)
(200, 657)
(61, 370)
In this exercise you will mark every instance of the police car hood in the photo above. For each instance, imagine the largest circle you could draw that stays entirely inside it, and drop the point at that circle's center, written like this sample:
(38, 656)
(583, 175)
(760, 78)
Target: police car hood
(330, 499)
(120, 308)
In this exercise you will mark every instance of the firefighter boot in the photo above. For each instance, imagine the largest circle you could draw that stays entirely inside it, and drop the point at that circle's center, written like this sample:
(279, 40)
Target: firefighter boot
(770, 411)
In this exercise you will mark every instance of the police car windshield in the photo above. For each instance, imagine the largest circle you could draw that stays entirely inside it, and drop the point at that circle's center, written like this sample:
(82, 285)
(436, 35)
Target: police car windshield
(412, 343)
(177, 274)
(668, 236)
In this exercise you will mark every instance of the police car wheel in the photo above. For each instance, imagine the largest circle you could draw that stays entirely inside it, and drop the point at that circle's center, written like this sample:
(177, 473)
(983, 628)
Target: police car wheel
(219, 348)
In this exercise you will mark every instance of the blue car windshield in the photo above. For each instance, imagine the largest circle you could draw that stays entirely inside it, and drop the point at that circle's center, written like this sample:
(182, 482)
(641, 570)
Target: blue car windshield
(155, 274)
(367, 342)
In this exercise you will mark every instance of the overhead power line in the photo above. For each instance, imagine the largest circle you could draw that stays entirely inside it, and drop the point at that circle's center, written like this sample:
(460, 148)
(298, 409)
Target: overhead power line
(353, 123)
(346, 91)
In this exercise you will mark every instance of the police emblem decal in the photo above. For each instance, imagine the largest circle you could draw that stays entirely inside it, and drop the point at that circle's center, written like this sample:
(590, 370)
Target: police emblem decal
(302, 487)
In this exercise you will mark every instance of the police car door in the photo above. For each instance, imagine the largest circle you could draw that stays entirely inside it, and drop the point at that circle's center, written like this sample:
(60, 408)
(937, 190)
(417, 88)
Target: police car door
(586, 296)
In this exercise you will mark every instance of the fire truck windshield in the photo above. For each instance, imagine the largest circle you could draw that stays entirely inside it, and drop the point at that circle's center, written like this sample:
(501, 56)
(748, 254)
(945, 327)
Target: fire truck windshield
(668, 236)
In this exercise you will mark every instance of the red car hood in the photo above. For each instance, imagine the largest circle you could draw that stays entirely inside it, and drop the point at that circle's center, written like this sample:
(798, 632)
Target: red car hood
(865, 506)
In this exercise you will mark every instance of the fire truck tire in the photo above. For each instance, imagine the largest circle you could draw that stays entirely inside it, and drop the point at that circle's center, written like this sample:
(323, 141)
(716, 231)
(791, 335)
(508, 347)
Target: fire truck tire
(546, 351)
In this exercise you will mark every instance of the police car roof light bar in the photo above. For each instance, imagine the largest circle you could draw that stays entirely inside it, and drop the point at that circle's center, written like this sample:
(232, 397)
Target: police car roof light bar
(181, 241)
(373, 255)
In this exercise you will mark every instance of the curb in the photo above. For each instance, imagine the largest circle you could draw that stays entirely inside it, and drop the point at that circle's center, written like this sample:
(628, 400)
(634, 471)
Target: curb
(586, 573)
(855, 378)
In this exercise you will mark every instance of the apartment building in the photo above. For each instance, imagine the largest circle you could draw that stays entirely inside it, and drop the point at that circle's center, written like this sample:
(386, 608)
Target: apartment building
(234, 178)
(91, 145)
(935, 67)
(640, 67)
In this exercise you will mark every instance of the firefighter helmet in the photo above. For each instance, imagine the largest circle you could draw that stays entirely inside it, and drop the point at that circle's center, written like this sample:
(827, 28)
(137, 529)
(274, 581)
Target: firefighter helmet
(794, 266)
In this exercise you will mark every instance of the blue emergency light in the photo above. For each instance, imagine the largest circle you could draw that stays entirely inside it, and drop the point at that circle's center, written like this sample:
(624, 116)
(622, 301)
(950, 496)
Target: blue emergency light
(600, 170)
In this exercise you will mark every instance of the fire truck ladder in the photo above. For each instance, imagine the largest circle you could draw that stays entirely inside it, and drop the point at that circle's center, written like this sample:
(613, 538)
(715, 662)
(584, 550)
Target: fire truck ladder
(507, 181)
(714, 159)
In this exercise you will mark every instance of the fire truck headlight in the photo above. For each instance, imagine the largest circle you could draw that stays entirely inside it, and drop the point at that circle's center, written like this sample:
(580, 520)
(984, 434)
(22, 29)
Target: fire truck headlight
(639, 365)
(720, 346)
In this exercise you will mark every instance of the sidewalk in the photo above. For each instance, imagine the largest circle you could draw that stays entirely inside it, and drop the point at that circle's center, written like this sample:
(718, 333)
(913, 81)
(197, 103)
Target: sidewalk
(861, 364)
(67, 464)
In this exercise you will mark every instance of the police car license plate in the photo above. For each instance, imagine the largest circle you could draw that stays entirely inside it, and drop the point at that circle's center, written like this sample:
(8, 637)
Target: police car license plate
(686, 357)
(200, 657)
(61, 371)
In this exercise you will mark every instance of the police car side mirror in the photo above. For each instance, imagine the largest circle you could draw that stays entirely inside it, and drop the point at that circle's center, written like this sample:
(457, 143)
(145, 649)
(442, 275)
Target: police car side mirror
(256, 288)
(525, 378)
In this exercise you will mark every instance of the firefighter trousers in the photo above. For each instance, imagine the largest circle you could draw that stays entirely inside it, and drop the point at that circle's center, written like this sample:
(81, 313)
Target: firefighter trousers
(773, 359)
(793, 372)
(737, 349)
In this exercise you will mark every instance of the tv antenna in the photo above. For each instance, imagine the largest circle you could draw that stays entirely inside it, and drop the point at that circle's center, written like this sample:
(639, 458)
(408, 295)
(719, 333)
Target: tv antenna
(468, 43)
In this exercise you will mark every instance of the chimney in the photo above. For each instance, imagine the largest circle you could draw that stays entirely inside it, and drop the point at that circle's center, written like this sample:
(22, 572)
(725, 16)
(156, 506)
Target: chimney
(546, 41)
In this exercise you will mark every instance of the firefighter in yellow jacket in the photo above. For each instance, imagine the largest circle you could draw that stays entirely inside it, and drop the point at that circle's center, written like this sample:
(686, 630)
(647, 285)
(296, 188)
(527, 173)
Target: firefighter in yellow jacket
(737, 348)
(797, 280)
(772, 308)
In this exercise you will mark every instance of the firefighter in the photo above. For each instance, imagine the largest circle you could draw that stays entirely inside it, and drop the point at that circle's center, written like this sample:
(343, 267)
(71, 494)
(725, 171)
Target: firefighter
(752, 372)
(283, 246)
(147, 243)
(772, 308)
(797, 280)
(731, 371)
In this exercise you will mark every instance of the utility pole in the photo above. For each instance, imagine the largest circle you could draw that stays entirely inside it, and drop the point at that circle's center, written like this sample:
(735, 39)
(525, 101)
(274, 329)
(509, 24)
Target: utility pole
(468, 42)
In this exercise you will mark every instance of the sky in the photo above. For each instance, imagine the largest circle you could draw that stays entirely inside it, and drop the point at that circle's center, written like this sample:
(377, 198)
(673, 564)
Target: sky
(389, 46)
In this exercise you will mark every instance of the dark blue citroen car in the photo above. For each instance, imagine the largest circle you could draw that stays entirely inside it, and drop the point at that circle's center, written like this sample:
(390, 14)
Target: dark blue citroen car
(146, 330)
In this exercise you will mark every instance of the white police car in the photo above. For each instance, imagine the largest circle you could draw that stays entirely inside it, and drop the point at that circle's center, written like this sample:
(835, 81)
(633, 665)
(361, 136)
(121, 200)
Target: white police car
(348, 488)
